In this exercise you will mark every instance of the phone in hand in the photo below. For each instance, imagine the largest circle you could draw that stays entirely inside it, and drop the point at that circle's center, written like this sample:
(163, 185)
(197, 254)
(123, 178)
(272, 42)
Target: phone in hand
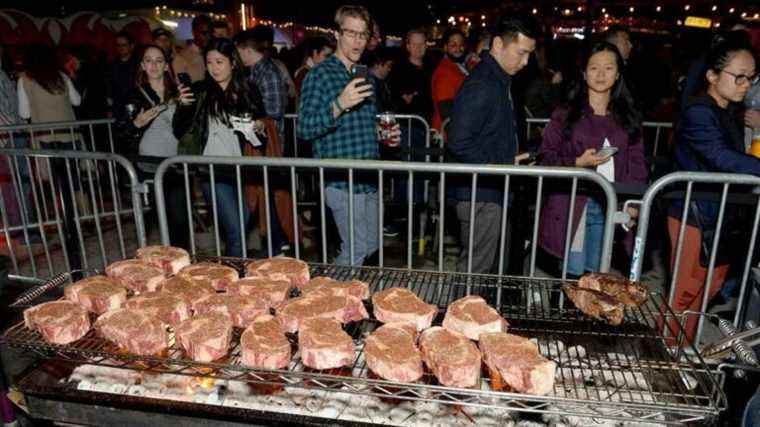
(606, 152)
(360, 71)
(184, 79)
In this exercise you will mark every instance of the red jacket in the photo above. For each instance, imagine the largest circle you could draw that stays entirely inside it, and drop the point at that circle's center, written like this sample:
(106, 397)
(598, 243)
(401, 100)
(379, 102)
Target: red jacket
(447, 79)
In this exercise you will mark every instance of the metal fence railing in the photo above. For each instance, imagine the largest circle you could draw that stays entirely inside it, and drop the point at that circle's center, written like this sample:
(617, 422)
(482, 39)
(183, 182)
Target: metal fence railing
(355, 173)
(729, 204)
(66, 210)
(81, 135)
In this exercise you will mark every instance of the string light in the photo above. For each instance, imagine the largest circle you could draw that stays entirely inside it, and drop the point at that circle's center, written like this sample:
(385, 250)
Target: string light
(482, 17)
(744, 14)
(714, 8)
(579, 9)
(658, 8)
(732, 10)
(687, 7)
(535, 11)
(604, 10)
(631, 9)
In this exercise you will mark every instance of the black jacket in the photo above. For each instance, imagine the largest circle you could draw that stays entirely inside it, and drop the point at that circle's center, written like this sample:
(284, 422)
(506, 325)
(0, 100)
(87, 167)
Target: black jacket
(128, 133)
(482, 129)
(406, 78)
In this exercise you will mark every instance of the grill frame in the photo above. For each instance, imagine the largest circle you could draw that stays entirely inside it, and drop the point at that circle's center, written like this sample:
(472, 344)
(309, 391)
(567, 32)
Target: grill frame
(637, 346)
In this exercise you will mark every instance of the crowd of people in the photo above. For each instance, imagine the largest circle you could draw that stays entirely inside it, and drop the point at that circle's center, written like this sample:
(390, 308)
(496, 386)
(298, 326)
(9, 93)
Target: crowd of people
(225, 94)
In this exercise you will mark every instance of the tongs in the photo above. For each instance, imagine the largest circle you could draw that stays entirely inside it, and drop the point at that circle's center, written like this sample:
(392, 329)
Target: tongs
(741, 343)
(29, 296)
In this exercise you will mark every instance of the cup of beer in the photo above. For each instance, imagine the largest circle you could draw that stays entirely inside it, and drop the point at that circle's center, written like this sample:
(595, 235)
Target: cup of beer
(386, 125)
(754, 149)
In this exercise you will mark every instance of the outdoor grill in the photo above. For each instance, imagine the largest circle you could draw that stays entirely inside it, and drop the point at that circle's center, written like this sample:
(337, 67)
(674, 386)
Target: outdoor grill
(624, 373)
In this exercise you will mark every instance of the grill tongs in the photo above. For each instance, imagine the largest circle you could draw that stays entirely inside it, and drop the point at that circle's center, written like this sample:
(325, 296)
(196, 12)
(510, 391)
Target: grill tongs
(740, 343)
(26, 299)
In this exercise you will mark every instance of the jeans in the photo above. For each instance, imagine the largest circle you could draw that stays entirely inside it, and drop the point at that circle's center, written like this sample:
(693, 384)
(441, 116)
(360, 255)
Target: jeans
(228, 214)
(590, 258)
(365, 224)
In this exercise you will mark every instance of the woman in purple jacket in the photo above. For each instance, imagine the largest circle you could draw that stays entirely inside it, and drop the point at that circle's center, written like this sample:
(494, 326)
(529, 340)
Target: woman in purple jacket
(599, 117)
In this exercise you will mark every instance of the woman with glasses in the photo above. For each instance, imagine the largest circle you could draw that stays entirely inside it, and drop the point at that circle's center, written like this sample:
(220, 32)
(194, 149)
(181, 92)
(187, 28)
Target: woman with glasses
(146, 120)
(709, 139)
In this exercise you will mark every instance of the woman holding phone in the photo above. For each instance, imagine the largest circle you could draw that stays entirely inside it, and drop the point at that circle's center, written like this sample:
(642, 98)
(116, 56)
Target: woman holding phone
(221, 111)
(599, 128)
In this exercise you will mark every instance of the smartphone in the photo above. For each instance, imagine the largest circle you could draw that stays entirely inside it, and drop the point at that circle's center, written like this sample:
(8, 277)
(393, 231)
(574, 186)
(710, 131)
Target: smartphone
(360, 71)
(184, 79)
(607, 152)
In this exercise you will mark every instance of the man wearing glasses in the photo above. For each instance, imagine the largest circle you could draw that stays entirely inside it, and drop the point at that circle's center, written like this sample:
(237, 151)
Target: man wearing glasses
(336, 115)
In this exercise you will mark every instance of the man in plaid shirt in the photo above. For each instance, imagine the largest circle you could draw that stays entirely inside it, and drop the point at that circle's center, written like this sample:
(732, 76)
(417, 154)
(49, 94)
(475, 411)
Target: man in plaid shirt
(337, 117)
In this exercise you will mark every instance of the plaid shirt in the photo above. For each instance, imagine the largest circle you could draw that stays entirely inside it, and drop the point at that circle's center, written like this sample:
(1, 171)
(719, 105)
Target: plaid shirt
(266, 76)
(352, 135)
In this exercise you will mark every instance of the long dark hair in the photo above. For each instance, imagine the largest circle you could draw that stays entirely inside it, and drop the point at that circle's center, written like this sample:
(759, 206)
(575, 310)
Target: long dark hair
(170, 87)
(621, 107)
(40, 65)
(234, 100)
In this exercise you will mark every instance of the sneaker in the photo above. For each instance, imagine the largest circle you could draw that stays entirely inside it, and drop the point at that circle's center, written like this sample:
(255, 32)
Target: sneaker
(390, 231)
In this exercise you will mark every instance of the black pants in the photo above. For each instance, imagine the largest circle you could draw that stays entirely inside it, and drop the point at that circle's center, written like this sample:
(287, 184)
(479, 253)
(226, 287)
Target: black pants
(175, 199)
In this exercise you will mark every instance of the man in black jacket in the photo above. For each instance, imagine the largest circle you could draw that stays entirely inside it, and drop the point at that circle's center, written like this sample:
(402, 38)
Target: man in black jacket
(483, 131)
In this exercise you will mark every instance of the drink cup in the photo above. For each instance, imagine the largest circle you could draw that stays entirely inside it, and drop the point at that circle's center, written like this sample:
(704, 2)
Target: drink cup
(387, 123)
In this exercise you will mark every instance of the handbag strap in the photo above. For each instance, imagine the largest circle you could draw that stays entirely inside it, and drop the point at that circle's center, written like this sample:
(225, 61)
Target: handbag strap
(145, 94)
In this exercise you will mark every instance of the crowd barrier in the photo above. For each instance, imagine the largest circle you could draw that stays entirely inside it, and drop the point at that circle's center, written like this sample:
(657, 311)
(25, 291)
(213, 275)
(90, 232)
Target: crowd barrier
(63, 211)
(373, 172)
(83, 135)
(692, 187)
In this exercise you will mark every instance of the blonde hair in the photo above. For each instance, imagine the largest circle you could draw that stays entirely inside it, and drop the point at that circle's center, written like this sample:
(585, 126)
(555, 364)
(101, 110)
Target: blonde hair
(353, 11)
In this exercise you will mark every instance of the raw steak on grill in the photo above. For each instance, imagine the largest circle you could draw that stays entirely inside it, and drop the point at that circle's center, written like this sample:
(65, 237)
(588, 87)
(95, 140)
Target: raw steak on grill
(167, 258)
(472, 316)
(325, 305)
(518, 362)
(402, 305)
(241, 310)
(264, 345)
(451, 357)
(274, 291)
(170, 309)
(189, 290)
(324, 344)
(355, 288)
(97, 294)
(392, 354)
(629, 293)
(205, 337)
(280, 268)
(217, 275)
(135, 331)
(59, 322)
(136, 275)
(596, 304)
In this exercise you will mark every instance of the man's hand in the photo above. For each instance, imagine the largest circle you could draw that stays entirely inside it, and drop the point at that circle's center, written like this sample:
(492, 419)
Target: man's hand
(590, 159)
(355, 92)
(752, 118)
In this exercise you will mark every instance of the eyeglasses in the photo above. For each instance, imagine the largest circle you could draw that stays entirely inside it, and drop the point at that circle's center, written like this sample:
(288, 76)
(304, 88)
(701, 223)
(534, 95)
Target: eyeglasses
(361, 35)
(741, 79)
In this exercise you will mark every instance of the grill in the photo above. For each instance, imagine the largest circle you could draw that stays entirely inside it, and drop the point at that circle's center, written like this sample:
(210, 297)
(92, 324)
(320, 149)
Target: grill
(615, 373)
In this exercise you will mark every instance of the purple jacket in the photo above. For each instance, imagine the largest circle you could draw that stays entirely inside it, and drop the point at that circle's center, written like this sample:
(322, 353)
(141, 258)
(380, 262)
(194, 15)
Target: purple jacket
(589, 132)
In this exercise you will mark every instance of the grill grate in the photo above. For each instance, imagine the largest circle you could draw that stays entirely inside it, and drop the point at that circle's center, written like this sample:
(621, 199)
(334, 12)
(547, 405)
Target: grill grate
(602, 371)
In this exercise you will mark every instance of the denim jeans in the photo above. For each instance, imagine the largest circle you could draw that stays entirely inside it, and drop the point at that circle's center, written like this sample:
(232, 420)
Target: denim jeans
(590, 258)
(365, 224)
(228, 214)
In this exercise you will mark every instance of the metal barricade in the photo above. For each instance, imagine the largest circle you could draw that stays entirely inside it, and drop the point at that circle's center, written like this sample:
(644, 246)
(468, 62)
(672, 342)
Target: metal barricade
(82, 134)
(354, 173)
(691, 179)
(63, 211)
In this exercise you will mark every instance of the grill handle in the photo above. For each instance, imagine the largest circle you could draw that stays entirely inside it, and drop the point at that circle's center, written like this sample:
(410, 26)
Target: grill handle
(29, 296)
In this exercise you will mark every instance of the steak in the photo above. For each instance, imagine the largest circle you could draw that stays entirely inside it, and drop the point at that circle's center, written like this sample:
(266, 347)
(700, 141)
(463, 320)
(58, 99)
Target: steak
(596, 304)
(136, 275)
(280, 268)
(402, 305)
(518, 363)
(205, 337)
(189, 290)
(264, 345)
(472, 316)
(355, 288)
(274, 291)
(392, 354)
(627, 292)
(59, 322)
(170, 309)
(217, 275)
(167, 258)
(451, 357)
(325, 345)
(134, 331)
(324, 305)
(97, 294)
(241, 310)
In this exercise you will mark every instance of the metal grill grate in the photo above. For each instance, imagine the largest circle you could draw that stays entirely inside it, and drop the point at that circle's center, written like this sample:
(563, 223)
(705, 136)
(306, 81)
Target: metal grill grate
(624, 371)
